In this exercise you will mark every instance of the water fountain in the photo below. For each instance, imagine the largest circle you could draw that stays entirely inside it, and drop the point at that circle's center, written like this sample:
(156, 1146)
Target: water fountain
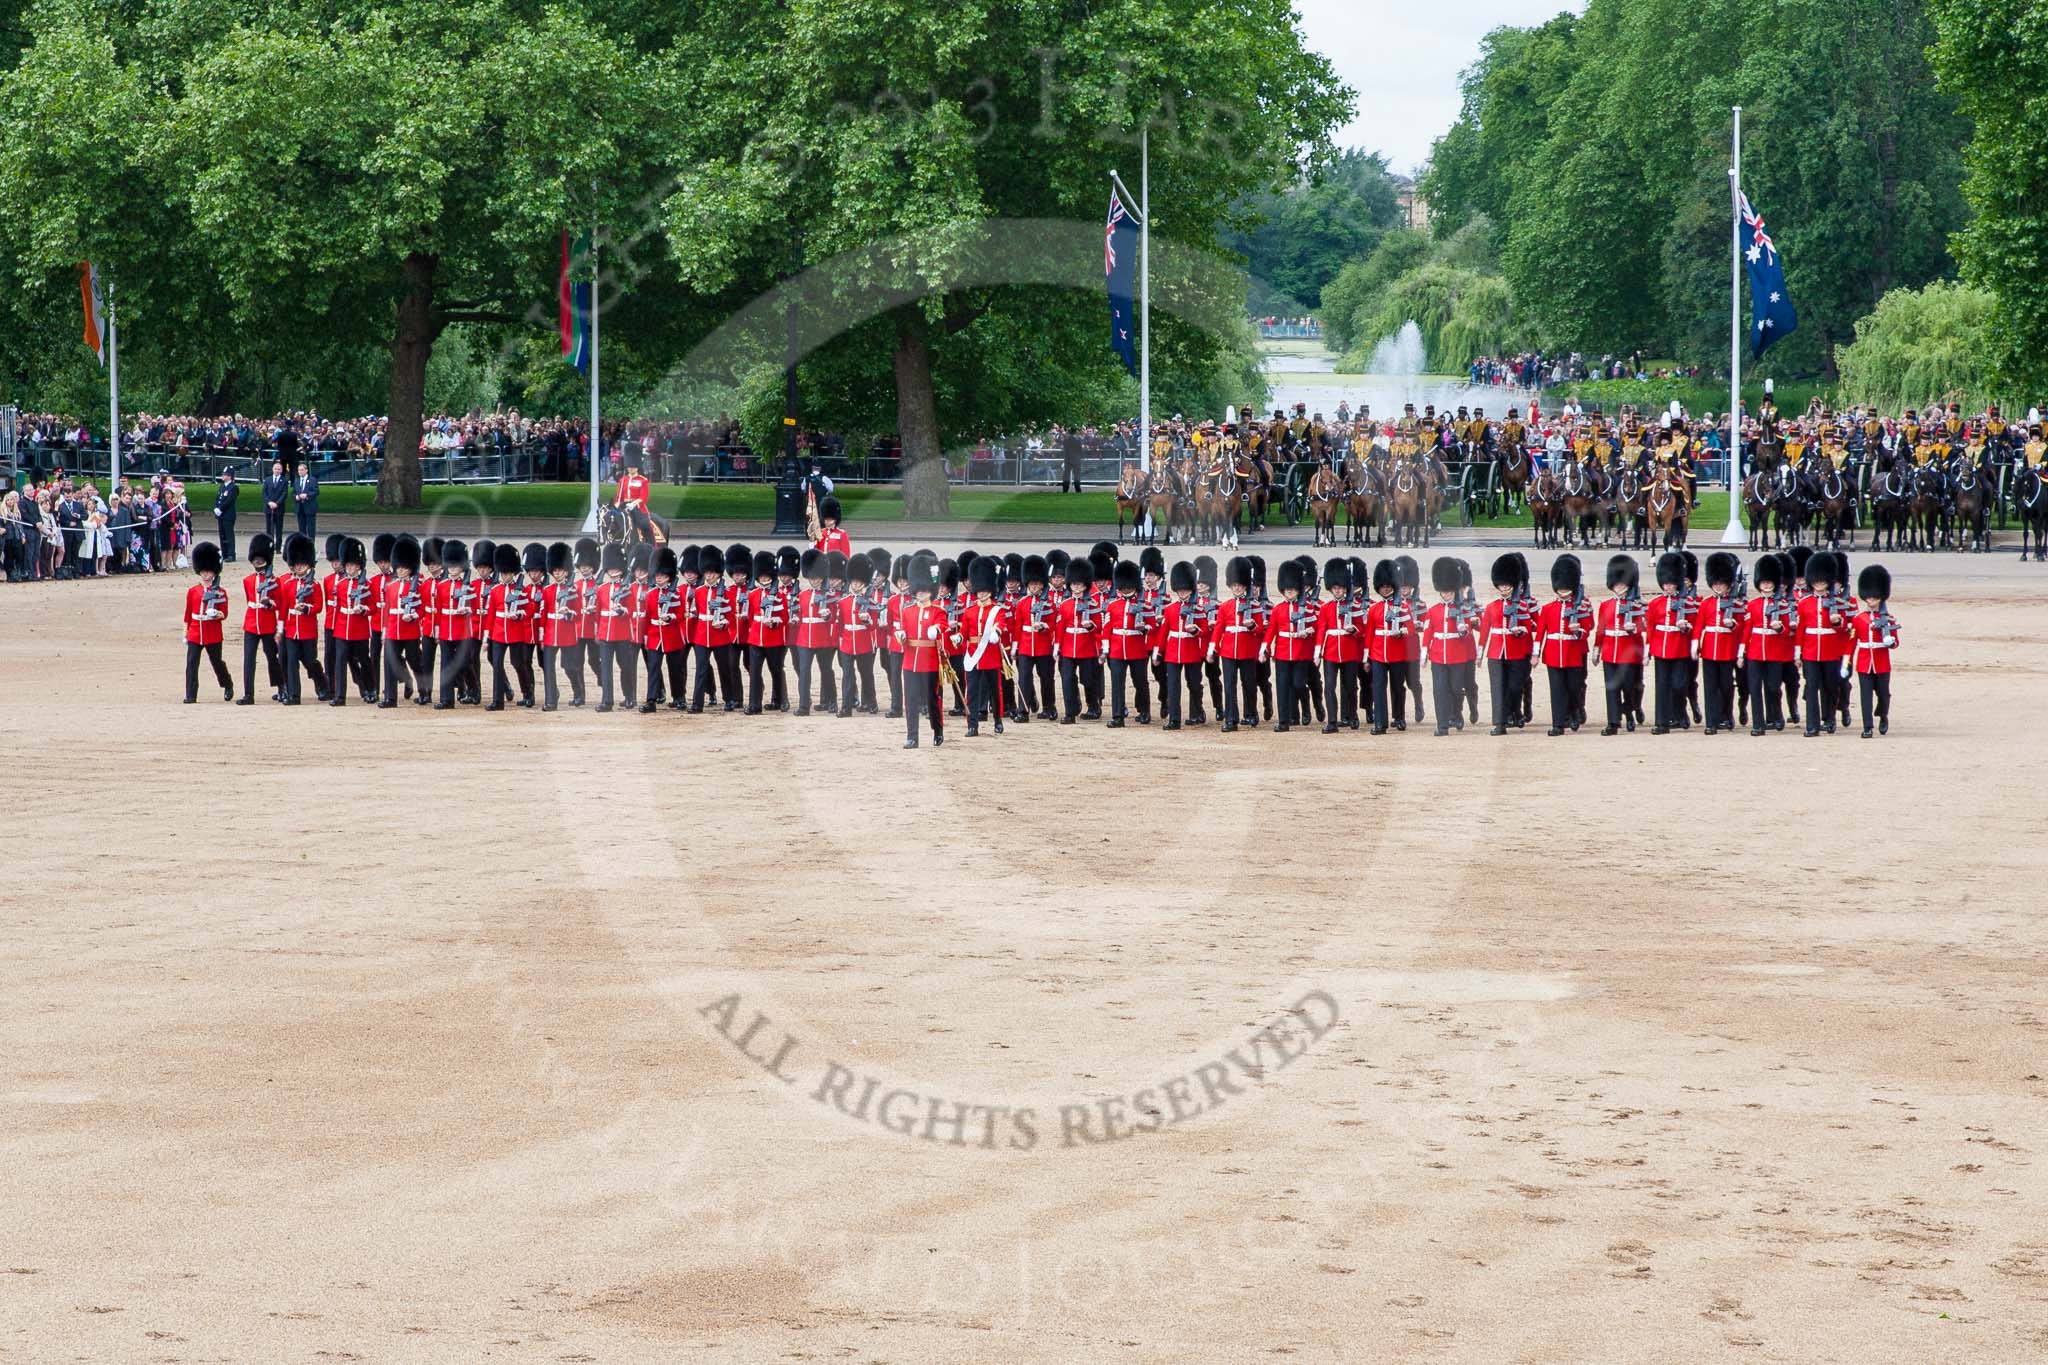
(1395, 373)
(1399, 355)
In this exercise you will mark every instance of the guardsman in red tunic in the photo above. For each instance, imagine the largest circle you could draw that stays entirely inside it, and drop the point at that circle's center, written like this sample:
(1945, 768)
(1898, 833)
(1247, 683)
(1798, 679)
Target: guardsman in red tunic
(1508, 628)
(1033, 621)
(1181, 642)
(259, 621)
(632, 496)
(1563, 628)
(1668, 621)
(1237, 640)
(330, 596)
(405, 618)
(830, 537)
(985, 645)
(455, 620)
(1450, 640)
(922, 629)
(381, 546)
(1340, 639)
(1388, 633)
(1717, 640)
(1077, 634)
(775, 585)
(206, 609)
(664, 637)
(1767, 643)
(506, 623)
(352, 626)
(815, 627)
(430, 614)
(739, 599)
(892, 642)
(484, 557)
(302, 603)
(1618, 639)
(712, 628)
(1409, 574)
(857, 625)
(534, 558)
(1824, 616)
(1127, 641)
(582, 654)
(618, 630)
(1290, 642)
(1875, 633)
(559, 611)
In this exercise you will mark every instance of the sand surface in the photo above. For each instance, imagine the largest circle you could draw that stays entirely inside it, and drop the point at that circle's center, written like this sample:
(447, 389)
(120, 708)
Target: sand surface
(404, 1036)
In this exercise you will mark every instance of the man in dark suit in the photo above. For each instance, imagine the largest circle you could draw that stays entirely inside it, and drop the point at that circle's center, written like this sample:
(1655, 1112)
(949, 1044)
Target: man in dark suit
(276, 492)
(306, 499)
(224, 512)
(1070, 462)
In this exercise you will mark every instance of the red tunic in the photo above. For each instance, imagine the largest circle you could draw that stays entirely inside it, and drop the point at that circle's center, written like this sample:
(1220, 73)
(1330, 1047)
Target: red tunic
(711, 617)
(330, 597)
(618, 612)
(1078, 625)
(455, 608)
(664, 618)
(832, 538)
(1719, 638)
(1291, 631)
(1873, 646)
(984, 634)
(815, 625)
(560, 616)
(1448, 640)
(1616, 643)
(1033, 620)
(1126, 631)
(1388, 634)
(261, 617)
(306, 603)
(396, 624)
(1182, 637)
(1503, 641)
(585, 585)
(767, 618)
(377, 582)
(1562, 641)
(1823, 635)
(1238, 631)
(1763, 642)
(923, 632)
(206, 611)
(632, 492)
(352, 612)
(1670, 633)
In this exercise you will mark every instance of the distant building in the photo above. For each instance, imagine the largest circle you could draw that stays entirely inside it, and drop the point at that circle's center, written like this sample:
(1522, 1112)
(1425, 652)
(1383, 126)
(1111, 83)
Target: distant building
(1413, 207)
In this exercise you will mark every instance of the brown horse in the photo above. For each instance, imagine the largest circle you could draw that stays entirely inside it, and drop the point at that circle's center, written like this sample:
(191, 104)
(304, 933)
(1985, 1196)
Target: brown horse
(1253, 494)
(1130, 500)
(1160, 501)
(1363, 506)
(1408, 503)
(1576, 493)
(1664, 511)
(1325, 491)
(1837, 498)
(1973, 500)
(1514, 476)
(1546, 508)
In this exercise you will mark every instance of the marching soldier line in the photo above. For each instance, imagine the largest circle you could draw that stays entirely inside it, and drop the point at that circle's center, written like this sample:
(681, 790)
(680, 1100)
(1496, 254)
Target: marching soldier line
(1052, 638)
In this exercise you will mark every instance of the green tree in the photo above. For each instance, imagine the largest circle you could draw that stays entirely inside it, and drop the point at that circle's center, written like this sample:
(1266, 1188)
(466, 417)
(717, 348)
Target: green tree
(1303, 236)
(895, 130)
(1923, 346)
(1353, 299)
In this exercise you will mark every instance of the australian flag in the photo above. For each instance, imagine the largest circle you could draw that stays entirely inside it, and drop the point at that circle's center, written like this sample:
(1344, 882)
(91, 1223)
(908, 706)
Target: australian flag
(1119, 267)
(1770, 307)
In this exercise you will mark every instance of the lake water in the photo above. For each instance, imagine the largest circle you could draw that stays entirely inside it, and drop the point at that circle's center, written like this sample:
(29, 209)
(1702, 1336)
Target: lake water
(1303, 372)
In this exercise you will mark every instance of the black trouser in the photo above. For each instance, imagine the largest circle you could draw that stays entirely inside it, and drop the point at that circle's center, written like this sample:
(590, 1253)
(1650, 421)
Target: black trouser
(1071, 685)
(1214, 668)
(227, 538)
(268, 644)
(375, 667)
(1390, 689)
(1567, 696)
(728, 659)
(771, 656)
(472, 680)
(1670, 710)
(809, 660)
(1187, 675)
(430, 650)
(456, 658)
(1240, 691)
(220, 669)
(1290, 678)
(353, 656)
(1340, 692)
(1790, 672)
(1447, 690)
(1624, 691)
(677, 662)
(921, 693)
(1070, 477)
(623, 656)
(306, 515)
(892, 669)
(1415, 686)
(709, 657)
(327, 659)
(1766, 694)
(1718, 677)
(1875, 687)
(1034, 683)
(406, 654)
(984, 695)
(1820, 692)
(296, 654)
(273, 526)
(1509, 680)
(501, 686)
(551, 657)
(856, 682)
(1132, 670)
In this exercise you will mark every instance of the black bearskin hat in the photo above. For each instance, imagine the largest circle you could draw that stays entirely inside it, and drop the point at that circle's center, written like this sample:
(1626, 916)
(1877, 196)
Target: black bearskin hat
(828, 508)
(1100, 566)
(763, 566)
(405, 554)
(1182, 578)
(1238, 572)
(1034, 568)
(1506, 572)
(1290, 575)
(1875, 581)
(1821, 569)
(1795, 560)
(665, 562)
(1205, 571)
(335, 541)
(1258, 563)
(879, 560)
(642, 559)
(1722, 568)
(924, 573)
(1385, 577)
(261, 551)
(586, 553)
(1409, 571)
(835, 566)
(534, 558)
(1152, 560)
(380, 547)
(1444, 575)
(1013, 567)
(1623, 572)
(1769, 569)
(430, 551)
(206, 557)
(505, 558)
(1105, 549)
(454, 554)
(813, 564)
(613, 559)
(1056, 562)
(981, 575)
(899, 572)
(949, 575)
(738, 560)
(1126, 576)
(788, 560)
(485, 554)
(1692, 565)
(1079, 574)
(1337, 574)
(1670, 570)
(1566, 574)
(352, 553)
(860, 570)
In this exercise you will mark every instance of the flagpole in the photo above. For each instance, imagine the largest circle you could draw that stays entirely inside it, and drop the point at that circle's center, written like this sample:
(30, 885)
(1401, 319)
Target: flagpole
(1734, 534)
(1145, 306)
(596, 441)
(113, 394)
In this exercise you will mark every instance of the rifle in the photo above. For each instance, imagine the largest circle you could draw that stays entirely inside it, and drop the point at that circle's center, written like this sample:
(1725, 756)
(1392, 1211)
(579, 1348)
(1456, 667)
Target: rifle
(1781, 610)
(302, 601)
(409, 600)
(1632, 610)
(1735, 606)
(1578, 612)
(213, 603)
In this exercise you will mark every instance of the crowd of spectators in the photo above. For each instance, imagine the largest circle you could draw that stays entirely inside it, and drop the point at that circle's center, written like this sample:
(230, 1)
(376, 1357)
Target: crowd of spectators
(63, 528)
(1279, 327)
(1541, 370)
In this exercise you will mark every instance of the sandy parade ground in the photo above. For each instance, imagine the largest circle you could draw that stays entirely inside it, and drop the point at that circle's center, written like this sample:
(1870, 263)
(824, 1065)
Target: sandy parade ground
(409, 1036)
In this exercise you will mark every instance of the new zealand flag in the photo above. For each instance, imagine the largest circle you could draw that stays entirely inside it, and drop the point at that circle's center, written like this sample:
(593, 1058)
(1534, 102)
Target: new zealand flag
(1770, 308)
(1119, 267)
